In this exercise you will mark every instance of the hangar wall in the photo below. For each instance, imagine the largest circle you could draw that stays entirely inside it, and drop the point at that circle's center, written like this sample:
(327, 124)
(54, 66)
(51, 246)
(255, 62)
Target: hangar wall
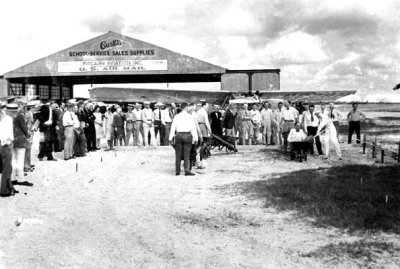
(260, 81)
(3, 88)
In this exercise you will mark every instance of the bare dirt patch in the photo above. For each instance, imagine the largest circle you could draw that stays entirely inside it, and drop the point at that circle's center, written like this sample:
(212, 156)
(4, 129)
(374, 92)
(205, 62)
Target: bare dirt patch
(129, 210)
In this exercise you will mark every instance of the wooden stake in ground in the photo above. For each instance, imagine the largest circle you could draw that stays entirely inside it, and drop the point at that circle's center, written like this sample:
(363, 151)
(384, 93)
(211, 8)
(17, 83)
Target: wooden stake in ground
(76, 167)
(386, 198)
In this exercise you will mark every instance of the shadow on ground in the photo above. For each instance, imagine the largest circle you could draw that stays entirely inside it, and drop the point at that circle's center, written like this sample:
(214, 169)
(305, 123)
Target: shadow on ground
(353, 197)
(368, 254)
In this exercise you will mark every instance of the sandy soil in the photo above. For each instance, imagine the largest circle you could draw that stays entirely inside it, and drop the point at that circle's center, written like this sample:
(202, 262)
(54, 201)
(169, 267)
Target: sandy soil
(127, 209)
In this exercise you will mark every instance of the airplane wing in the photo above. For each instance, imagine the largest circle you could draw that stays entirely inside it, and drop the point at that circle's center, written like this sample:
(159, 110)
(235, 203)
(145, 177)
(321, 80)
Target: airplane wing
(131, 95)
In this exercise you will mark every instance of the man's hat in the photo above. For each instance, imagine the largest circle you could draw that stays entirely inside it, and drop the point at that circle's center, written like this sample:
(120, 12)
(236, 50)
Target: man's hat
(31, 103)
(12, 107)
(20, 102)
(3, 104)
(70, 104)
(146, 102)
(159, 104)
(131, 105)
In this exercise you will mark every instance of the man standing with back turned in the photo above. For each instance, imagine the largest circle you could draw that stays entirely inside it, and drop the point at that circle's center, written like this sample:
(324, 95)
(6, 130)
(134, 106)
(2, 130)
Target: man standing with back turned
(184, 130)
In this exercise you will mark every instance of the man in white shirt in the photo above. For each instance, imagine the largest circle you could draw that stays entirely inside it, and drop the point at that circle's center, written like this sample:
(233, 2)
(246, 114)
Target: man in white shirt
(245, 125)
(183, 128)
(137, 124)
(310, 123)
(202, 119)
(335, 117)
(296, 134)
(6, 139)
(129, 118)
(158, 127)
(166, 120)
(289, 116)
(69, 133)
(256, 120)
(266, 121)
(148, 124)
(298, 149)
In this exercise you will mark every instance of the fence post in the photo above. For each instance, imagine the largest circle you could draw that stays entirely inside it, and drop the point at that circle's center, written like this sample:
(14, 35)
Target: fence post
(364, 144)
(382, 155)
(374, 149)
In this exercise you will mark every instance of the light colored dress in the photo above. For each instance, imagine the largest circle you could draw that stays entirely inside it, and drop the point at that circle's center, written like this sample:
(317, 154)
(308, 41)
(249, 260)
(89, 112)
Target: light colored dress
(98, 123)
(109, 125)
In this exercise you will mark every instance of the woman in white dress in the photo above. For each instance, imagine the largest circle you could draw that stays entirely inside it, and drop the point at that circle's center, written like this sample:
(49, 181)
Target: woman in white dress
(109, 127)
(328, 130)
(98, 123)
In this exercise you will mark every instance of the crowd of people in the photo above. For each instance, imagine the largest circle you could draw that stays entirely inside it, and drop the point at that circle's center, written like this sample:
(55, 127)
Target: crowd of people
(79, 127)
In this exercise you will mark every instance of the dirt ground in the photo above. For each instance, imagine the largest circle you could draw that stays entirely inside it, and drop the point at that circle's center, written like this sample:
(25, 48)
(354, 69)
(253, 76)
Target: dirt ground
(127, 209)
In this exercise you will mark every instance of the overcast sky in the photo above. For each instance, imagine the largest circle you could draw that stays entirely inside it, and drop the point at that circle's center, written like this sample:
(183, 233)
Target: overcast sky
(318, 45)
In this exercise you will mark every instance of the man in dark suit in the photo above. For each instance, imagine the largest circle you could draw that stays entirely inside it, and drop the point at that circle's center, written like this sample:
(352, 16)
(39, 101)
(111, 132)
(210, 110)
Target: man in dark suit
(229, 121)
(216, 124)
(46, 127)
(90, 129)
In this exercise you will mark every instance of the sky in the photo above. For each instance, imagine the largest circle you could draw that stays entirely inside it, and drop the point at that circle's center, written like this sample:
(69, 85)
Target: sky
(318, 45)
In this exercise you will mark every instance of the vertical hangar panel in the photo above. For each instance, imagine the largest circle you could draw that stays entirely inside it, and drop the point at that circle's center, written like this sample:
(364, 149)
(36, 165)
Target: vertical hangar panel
(3, 88)
(235, 82)
(265, 82)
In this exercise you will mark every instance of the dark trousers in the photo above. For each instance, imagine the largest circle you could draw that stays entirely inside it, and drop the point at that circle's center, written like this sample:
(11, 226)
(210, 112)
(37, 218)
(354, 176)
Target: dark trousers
(313, 131)
(167, 128)
(354, 126)
(80, 144)
(90, 134)
(158, 127)
(45, 149)
(6, 157)
(183, 145)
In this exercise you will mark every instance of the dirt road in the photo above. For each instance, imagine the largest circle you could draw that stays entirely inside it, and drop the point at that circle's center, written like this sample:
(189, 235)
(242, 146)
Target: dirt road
(128, 210)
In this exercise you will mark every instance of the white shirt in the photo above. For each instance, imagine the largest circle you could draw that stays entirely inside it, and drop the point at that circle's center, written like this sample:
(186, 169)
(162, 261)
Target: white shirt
(137, 114)
(183, 122)
(307, 119)
(147, 115)
(68, 118)
(255, 116)
(295, 136)
(157, 113)
(202, 117)
(6, 130)
(289, 114)
(266, 116)
(77, 123)
(165, 116)
(333, 114)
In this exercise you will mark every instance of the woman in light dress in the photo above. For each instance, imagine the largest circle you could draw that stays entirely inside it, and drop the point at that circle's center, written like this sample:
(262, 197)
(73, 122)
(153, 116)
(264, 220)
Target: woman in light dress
(328, 130)
(98, 124)
(109, 127)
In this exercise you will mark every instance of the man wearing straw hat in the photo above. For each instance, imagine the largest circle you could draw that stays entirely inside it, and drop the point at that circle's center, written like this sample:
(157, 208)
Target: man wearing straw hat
(69, 132)
(28, 167)
(6, 140)
(148, 124)
(21, 135)
(167, 116)
(129, 119)
(158, 127)
(137, 125)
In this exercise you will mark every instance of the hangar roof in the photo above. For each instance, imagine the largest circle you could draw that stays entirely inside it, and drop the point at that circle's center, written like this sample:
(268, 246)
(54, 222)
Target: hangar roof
(112, 55)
